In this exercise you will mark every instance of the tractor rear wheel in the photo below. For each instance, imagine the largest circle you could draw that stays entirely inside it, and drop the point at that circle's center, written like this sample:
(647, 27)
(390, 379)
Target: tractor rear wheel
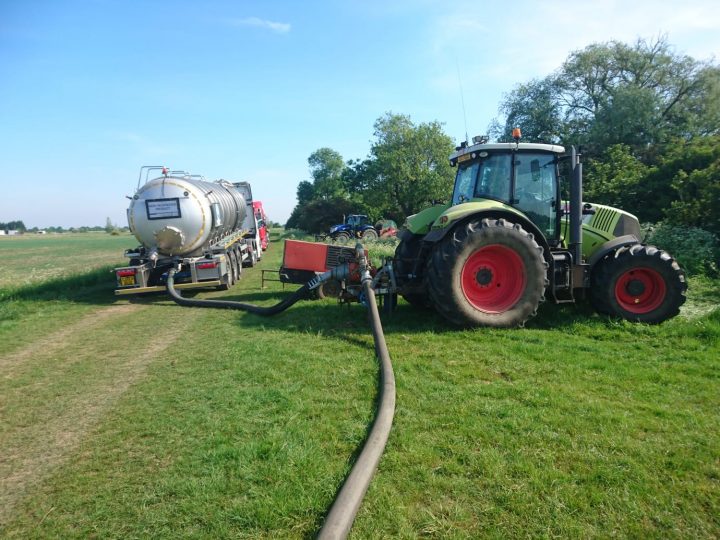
(406, 253)
(370, 234)
(487, 273)
(638, 283)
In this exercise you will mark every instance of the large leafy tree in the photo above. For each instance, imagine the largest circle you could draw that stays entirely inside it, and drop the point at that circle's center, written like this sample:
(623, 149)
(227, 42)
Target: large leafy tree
(408, 166)
(615, 93)
(326, 169)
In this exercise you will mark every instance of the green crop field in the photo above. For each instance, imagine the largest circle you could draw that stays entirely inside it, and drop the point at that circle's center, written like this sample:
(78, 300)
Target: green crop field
(134, 417)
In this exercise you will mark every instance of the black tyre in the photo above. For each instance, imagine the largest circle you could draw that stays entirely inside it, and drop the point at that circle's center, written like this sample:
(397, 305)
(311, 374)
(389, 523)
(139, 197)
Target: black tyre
(233, 266)
(228, 280)
(638, 283)
(370, 234)
(487, 273)
(252, 258)
(406, 255)
(342, 237)
(238, 262)
(329, 289)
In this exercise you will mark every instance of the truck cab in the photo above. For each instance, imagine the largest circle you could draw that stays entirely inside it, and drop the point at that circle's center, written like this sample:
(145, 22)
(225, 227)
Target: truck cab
(261, 220)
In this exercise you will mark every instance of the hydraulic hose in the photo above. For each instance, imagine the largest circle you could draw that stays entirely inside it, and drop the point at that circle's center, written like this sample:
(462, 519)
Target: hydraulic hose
(342, 513)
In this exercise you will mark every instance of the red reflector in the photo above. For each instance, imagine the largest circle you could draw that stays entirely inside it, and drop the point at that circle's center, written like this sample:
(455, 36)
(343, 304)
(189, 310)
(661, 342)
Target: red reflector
(123, 273)
(203, 266)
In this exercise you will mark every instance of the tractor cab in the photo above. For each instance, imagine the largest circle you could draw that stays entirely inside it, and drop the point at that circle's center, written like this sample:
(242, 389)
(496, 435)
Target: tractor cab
(516, 177)
(356, 220)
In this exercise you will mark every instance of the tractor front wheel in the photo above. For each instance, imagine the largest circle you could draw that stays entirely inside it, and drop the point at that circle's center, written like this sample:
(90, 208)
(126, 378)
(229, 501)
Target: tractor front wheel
(638, 283)
(342, 237)
(487, 273)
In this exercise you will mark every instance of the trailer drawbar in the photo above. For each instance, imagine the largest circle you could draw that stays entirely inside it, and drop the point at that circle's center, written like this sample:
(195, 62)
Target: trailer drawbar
(342, 513)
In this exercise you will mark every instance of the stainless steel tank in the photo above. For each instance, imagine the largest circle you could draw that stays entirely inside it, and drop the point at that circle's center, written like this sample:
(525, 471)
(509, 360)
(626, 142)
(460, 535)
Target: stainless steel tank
(179, 215)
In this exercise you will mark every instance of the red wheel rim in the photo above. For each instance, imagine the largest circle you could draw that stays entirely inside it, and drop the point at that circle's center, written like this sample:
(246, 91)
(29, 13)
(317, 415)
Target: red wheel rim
(640, 290)
(493, 278)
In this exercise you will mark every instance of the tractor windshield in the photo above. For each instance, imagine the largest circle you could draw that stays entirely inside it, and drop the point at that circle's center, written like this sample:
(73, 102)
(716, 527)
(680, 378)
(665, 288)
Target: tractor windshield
(486, 179)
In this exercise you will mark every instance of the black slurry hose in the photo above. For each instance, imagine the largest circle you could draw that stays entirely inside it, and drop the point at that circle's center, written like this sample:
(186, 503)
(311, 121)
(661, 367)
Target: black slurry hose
(347, 502)
(343, 511)
(301, 293)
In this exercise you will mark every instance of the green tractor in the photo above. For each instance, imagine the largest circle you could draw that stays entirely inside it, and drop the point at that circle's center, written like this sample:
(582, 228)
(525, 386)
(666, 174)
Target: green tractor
(507, 242)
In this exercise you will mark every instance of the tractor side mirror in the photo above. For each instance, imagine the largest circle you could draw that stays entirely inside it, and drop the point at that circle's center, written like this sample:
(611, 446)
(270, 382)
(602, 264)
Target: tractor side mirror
(588, 210)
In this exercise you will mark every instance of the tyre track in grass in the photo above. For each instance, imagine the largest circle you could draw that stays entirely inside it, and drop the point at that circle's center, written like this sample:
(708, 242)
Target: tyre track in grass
(47, 346)
(42, 432)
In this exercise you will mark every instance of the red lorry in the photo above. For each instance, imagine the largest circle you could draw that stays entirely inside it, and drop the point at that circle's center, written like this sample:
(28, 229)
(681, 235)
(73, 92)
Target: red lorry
(261, 220)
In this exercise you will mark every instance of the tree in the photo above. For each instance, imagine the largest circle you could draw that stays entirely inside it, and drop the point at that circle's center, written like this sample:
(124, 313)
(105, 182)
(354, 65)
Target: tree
(408, 166)
(615, 93)
(616, 179)
(109, 227)
(694, 169)
(326, 168)
(535, 108)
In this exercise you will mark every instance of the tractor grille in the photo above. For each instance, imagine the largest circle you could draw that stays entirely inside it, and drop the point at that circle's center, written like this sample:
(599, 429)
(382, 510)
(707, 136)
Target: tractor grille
(603, 219)
(337, 255)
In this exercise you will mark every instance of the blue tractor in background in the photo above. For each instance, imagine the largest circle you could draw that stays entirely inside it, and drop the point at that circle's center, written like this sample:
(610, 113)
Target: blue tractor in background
(355, 226)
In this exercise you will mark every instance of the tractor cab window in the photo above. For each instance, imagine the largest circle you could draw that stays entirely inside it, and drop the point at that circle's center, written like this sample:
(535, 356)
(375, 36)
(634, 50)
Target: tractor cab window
(464, 182)
(536, 189)
(356, 221)
(494, 179)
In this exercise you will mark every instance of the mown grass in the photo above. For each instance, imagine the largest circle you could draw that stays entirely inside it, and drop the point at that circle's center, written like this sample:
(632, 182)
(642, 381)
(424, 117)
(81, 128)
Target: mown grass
(576, 425)
(30, 259)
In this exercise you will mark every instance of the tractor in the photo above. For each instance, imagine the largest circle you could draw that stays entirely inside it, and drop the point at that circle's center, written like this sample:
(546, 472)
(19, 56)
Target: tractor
(355, 226)
(507, 242)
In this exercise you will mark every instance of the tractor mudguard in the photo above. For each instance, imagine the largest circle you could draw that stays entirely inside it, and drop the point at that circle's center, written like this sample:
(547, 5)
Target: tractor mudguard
(612, 245)
(436, 235)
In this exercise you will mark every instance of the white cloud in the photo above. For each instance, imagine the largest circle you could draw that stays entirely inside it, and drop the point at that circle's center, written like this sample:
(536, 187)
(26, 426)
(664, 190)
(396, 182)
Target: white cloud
(526, 39)
(279, 27)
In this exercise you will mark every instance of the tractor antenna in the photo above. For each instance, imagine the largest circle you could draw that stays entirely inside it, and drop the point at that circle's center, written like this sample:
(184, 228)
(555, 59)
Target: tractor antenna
(462, 98)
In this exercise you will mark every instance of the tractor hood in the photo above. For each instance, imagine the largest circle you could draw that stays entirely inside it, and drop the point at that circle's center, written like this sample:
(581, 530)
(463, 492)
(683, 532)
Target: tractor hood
(455, 213)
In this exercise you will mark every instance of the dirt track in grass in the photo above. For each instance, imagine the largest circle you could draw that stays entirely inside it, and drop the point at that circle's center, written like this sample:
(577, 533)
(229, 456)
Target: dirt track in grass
(35, 443)
(47, 346)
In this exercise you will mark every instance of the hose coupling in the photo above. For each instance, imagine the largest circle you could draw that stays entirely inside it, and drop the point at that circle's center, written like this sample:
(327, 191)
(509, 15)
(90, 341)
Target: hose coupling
(337, 272)
(363, 261)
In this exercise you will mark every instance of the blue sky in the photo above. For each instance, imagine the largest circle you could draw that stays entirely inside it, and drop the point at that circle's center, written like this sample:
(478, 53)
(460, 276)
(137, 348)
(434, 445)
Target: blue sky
(91, 90)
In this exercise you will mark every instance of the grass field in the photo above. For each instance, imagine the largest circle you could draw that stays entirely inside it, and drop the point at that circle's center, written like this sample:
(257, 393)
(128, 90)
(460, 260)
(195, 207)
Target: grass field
(123, 418)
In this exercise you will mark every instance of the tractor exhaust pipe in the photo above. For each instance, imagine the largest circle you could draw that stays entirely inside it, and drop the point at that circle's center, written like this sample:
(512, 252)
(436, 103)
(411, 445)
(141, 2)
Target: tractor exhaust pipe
(575, 245)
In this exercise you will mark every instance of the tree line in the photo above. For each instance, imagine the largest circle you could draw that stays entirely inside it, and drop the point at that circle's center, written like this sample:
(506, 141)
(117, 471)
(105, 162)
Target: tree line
(646, 119)
(13, 226)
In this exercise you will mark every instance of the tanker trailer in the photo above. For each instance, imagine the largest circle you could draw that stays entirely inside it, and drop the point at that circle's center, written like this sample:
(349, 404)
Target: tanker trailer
(182, 220)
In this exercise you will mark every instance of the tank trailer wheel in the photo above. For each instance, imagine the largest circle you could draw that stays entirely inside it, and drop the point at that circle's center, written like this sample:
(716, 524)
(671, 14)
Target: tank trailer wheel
(487, 273)
(252, 259)
(405, 254)
(228, 280)
(370, 234)
(638, 283)
(238, 263)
